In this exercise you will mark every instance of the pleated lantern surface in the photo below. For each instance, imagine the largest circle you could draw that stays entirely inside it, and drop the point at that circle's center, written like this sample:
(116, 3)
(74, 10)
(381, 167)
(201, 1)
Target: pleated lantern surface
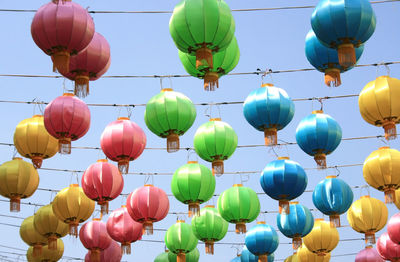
(236, 259)
(72, 206)
(223, 63)
(192, 256)
(169, 114)
(397, 199)
(326, 60)
(18, 180)
(215, 141)
(247, 256)
(381, 170)
(31, 237)
(322, 239)
(102, 182)
(62, 29)
(318, 135)
(388, 250)
(239, 205)
(94, 237)
(163, 257)
(393, 228)
(378, 104)
(67, 118)
(297, 224)
(262, 240)
(48, 255)
(369, 254)
(367, 215)
(193, 184)
(111, 254)
(269, 109)
(292, 258)
(123, 141)
(147, 205)
(179, 239)
(333, 197)
(343, 25)
(209, 227)
(305, 255)
(49, 226)
(123, 229)
(32, 140)
(283, 180)
(202, 28)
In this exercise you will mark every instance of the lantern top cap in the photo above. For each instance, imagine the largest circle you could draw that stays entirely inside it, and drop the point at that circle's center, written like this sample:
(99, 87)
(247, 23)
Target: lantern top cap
(367, 247)
(17, 158)
(266, 85)
(68, 94)
(167, 90)
(317, 112)
(366, 196)
(215, 119)
(331, 177)
(384, 147)
(283, 158)
(293, 202)
(319, 219)
(237, 185)
(192, 162)
(261, 223)
(123, 118)
(123, 206)
(35, 116)
(180, 221)
(74, 185)
(148, 185)
(102, 160)
(212, 206)
(96, 219)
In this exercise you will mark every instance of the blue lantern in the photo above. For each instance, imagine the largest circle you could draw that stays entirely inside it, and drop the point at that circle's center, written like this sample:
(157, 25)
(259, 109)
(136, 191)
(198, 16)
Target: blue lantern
(283, 180)
(261, 240)
(344, 25)
(318, 135)
(325, 59)
(333, 197)
(268, 109)
(297, 224)
(247, 256)
(236, 259)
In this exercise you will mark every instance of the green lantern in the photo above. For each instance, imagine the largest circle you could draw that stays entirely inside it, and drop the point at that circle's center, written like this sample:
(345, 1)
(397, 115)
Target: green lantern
(209, 227)
(224, 62)
(192, 256)
(193, 184)
(180, 240)
(215, 141)
(163, 257)
(201, 28)
(239, 205)
(170, 114)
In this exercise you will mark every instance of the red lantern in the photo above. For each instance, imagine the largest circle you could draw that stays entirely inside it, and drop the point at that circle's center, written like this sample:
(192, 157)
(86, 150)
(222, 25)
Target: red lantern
(387, 248)
(393, 228)
(102, 182)
(67, 118)
(89, 64)
(122, 228)
(110, 254)
(123, 141)
(94, 237)
(61, 29)
(369, 254)
(146, 205)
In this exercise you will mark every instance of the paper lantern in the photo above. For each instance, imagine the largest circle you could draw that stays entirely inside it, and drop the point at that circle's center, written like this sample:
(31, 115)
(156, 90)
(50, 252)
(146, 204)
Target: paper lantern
(94, 236)
(388, 250)
(247, 256)
(322, 239)
(292, 258)
(48, 254)
(393, 228)
(369, 254)
(237, 258)
(31, 237)
(262, 240)
(305, 255)
(192, 256)
(111, 254)
(180, 240)
(163, 257)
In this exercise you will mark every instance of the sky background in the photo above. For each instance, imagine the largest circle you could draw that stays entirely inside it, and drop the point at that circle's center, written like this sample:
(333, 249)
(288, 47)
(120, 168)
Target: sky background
(141, 45)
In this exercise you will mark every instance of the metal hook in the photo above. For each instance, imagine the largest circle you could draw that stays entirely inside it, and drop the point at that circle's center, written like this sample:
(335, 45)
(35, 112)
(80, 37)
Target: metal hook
(170, 82)
(382, 64)
(190, 153)
(74, 173)
(210, 108)
(129, 111)
(161, 84)
(14, 152)
(244, 178)
(320, 100)
(362, 188)
(147, 179)
(272, 148)
(267, 72)
(238, 249)
(338, 171)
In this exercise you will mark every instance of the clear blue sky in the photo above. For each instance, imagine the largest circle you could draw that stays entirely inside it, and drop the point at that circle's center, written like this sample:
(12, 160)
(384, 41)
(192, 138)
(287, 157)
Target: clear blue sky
(141, 45)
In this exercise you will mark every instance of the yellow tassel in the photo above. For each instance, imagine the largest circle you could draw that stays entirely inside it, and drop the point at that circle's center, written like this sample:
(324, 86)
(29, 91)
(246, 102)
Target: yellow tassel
(148, 228)
(390, 195)
(332, 77)
(95, 255)
(284, 207)
(15, 203)
(218, 167)
(194, 209)
(296, 243)
(210, 247)
(37, 161)
(240, 228)
(263, 258)
(61, 61)
(103, 207)
(204, 58)
(390, 129)
(81, 85)
(346, 55)
(271, 136)
(126, 248)
(37, 250)
(181, 257)
(73, 228)
(320, 159)
(335, 220)
(211, 81)
(370, 238)
(64, 146)
(172, 142)
(123, 166)
(52, 242)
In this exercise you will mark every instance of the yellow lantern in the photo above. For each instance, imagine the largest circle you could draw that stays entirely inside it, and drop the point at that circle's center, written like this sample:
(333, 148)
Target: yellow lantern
(397, 199)
(305, 255)
(18, 179)
(292, 258)
(382, 171)
(31, 237)
(49, 226)
(322, 239)
(367, 215)
(32, 140)
(47, 255)
(72, 206)
(379, 104)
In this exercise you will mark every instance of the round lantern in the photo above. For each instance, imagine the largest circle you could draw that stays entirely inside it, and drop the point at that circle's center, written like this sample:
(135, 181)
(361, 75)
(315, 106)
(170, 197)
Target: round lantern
(146, 205)
(283, 180)
(367, 216)
(397, 199)
(111, 254)
(322, 239)
(122, 228)
(123, 141)
(333, 197)
(247, 256)
(239, 205)
(292, 258)
(393, 228)
(297, 224)
(32, 140)
(18, 180)
(369, 254)
(343, 25)
(378, 106)
(268, 109)
(305, 255)
(163, 257)
(180, 240)
(193, 184)
(209, 227)
(192, 256)
(67, 118)
(62, 29)
(262, 240)
(170, 114)
(318, 135)
(236, 259)
(48, 254)
(215, 141)
(102, 182)
(223, 62)
(382, 171)
(94, 237)
(72, 206)
(31, 237)
(388, 250)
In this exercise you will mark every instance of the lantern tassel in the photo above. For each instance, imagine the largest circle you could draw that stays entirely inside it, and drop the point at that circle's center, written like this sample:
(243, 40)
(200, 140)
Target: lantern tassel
(73, 228)
(15, 204)
(103, 207)
(95, 254)
(321, 253)
(172, 142)
(210, 247)
(37, 250)
(320, 159)
(64, 146)
(296, 243)
(81, 85)
(52, 242)
(284, 207)
(240, 228)
(148, 228)
(271, 136)
(370, 238)
(335, 220)
(346, 55)
(37, 161)
(204, 57)
(218, 167)
(61, 61)
(263, 258)
(211, 81)
(181, 257)
(390, 130)
(332, 77)
(123, 166)
(390, 196)
(194, 209)
(126, 248)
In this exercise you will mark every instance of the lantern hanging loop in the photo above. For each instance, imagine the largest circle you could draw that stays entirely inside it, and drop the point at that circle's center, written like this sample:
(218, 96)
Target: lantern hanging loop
(161, 83)
(129, 111)
(147, 179)
(209, 113)
(192, 152)
(244, 178)
(267, 72)
(238, 249)
(76, 175)
(386, 67)
(14, 154)
(364, 187)
(337, 171)
(285, 144)
(320, 100)
(272, 149)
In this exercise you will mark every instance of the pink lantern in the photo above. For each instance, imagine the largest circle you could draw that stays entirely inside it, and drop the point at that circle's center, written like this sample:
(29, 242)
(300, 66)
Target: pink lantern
(94, 237)
(62, 29)
(369, 254)
(110, 254)
(146, 205)
(67, 118)
(387, 248)
(122, 228)
(89, 64)
(102, 182)
(393, 228)
(123, 141)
